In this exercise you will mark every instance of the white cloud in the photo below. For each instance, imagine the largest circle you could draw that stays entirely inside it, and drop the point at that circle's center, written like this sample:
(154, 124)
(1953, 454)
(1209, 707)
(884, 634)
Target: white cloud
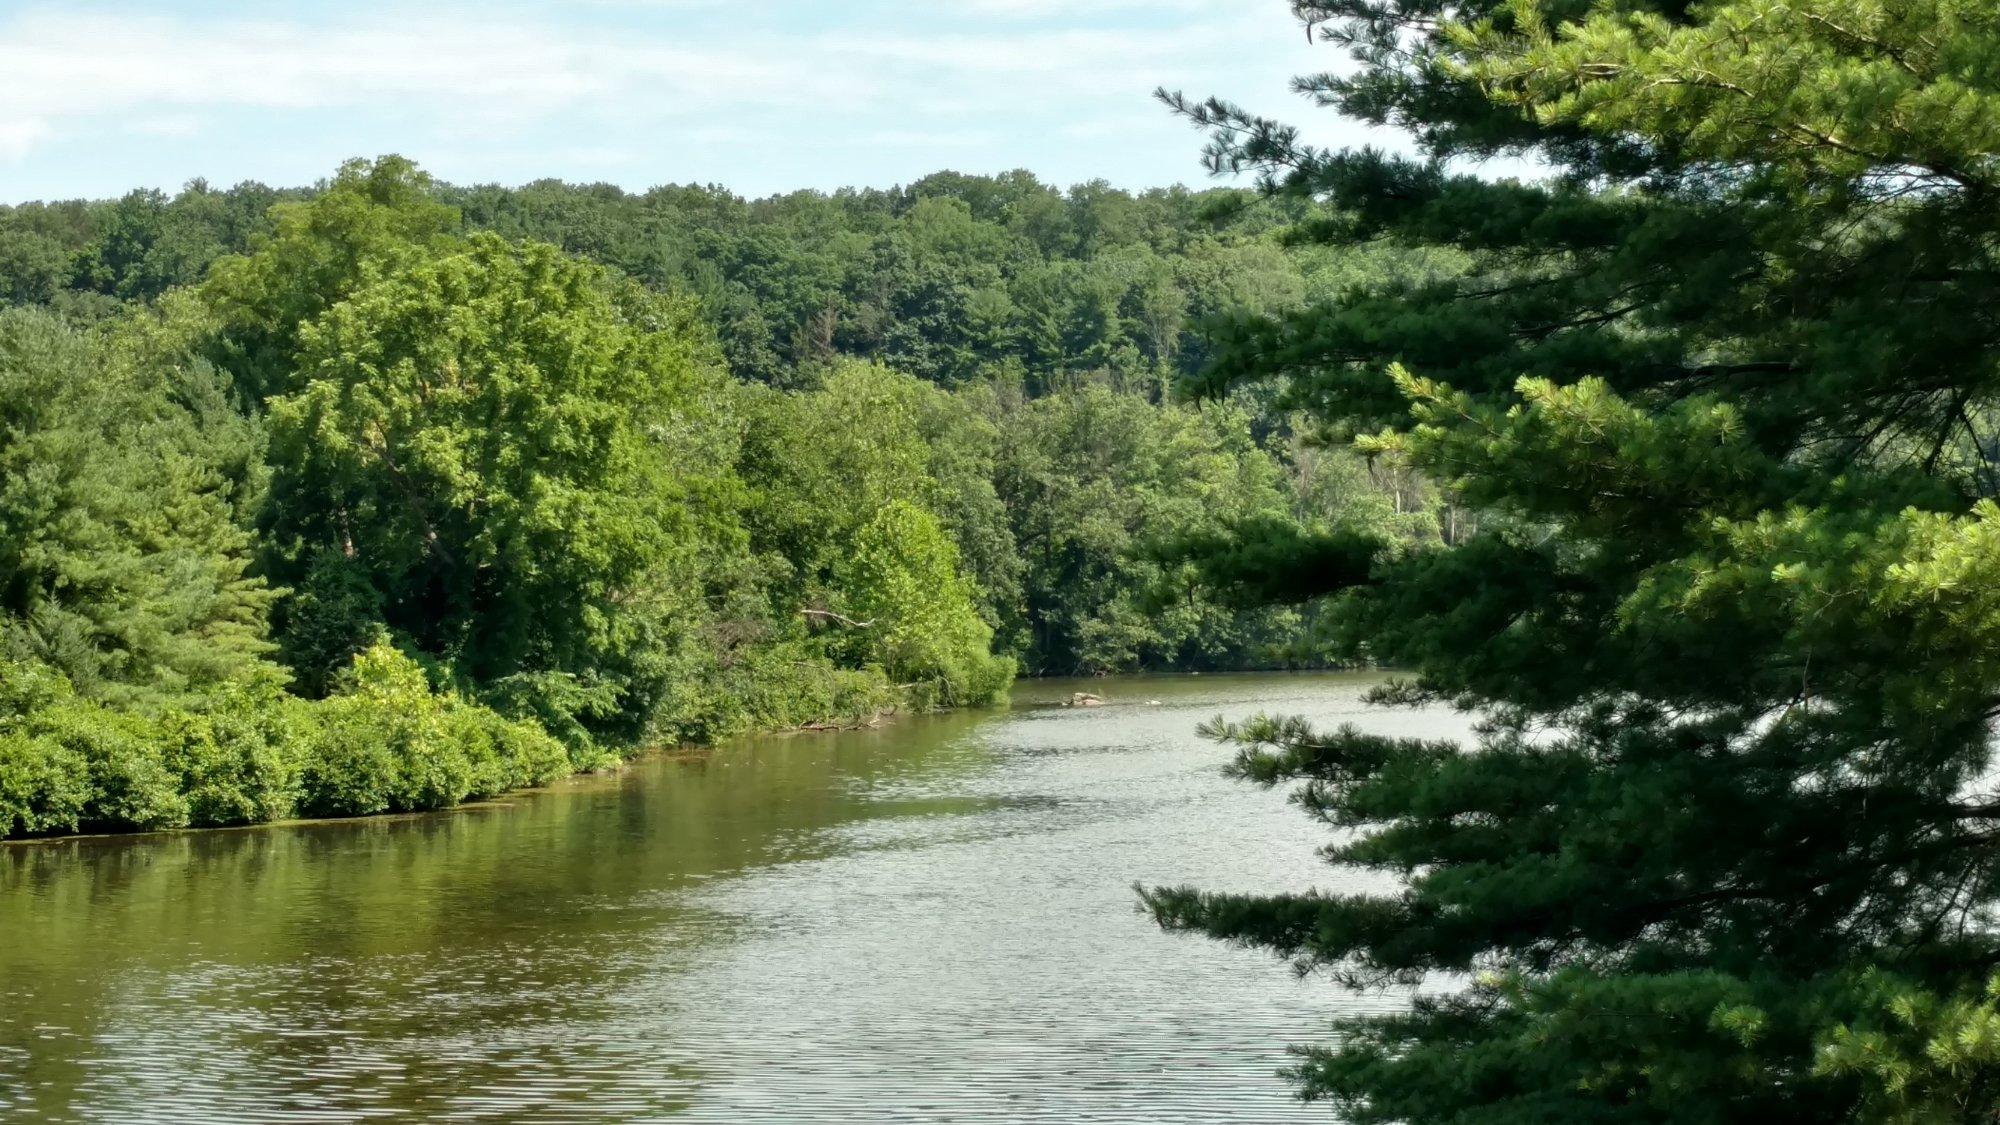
(1044, 9)
(66, 65)
(766, 95)
(1082, 52)
(928, 140)
(172, 125)
(17, 137)
(61, 67)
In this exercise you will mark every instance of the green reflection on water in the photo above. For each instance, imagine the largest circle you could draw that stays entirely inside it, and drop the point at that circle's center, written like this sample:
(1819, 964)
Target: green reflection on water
(543, 900)
(932, 919)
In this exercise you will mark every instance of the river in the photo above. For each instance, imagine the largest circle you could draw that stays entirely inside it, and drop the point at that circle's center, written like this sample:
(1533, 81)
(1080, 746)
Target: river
(931, 921)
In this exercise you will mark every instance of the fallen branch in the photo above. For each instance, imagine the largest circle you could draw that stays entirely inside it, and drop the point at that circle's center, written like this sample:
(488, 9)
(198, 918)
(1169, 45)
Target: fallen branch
(873, 722)
(829, 615)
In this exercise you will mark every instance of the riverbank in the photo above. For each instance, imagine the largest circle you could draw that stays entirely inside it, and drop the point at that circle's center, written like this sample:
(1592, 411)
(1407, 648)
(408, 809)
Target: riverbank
(863, 925)
(386, 745)
(1025, 692)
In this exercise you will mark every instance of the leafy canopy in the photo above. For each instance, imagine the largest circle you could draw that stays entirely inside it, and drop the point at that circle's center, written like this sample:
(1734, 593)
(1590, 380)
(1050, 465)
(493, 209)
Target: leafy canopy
(466, 461)
(518, 453)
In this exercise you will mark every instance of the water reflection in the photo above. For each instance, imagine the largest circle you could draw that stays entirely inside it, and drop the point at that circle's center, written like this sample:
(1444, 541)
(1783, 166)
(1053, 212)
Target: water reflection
(932, 921)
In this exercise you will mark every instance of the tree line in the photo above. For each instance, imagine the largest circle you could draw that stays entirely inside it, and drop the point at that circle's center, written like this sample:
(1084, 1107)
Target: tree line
(387, 494)
(954, 279)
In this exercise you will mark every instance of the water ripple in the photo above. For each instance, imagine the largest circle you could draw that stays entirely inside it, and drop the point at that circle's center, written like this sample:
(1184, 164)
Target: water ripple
(929, 923)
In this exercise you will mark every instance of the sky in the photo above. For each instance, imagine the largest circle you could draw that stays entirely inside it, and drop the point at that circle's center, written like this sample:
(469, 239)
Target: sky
(760, 96)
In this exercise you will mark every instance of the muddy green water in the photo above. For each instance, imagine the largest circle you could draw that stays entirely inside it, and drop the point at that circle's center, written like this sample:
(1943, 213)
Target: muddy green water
(932, 921)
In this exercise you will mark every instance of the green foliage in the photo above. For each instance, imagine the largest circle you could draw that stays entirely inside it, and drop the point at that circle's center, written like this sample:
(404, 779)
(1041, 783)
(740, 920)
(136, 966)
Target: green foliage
(124, 561)
(1093, 479)
(793, 684)
(852, 486)
(75, 763)
(374, 217)
(954, 279)
(519, 457)
(234, 758)
(384, 742)
(387, 743)
(469, 462)
(1720, 392)
(333, 611)
(44, 786)
(901, 573)
(1922, 1059)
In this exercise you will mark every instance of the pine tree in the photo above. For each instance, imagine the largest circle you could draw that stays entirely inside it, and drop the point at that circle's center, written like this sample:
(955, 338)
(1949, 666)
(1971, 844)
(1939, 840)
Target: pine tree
(124, 496)
(1723, 384)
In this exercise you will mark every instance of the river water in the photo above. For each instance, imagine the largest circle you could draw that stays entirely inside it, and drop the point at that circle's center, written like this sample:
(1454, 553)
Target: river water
(933, 921)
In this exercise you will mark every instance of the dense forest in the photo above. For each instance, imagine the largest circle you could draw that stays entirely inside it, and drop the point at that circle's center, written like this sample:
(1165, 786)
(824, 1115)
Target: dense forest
(386, 494)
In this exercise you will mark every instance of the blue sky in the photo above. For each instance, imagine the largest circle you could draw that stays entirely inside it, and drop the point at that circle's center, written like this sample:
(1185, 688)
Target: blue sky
(758, 95)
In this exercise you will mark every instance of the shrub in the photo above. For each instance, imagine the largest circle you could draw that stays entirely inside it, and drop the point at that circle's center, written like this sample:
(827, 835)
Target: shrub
(784, 686)
(111, 775)
(236, 760)
(388, 743)
(505, 753)
(130, 787)
(43, 786)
